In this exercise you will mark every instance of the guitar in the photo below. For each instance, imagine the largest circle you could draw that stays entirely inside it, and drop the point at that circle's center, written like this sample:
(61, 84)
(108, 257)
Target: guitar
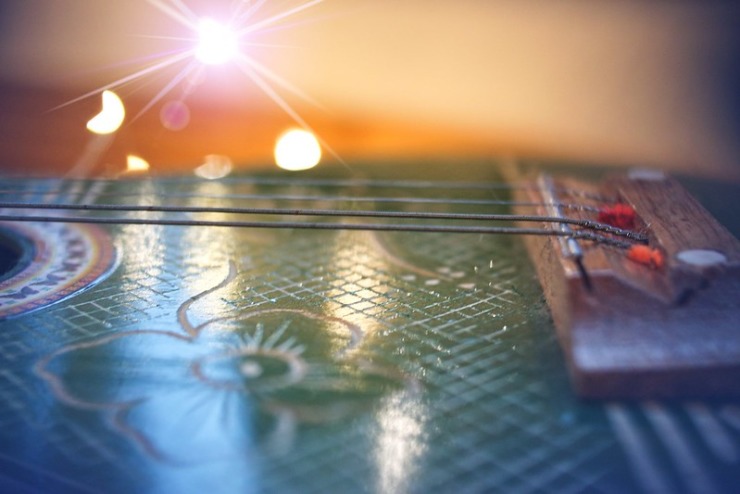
(161, 345)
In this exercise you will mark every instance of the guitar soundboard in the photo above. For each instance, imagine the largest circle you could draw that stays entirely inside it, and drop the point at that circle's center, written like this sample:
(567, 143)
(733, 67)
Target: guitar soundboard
(138, 356)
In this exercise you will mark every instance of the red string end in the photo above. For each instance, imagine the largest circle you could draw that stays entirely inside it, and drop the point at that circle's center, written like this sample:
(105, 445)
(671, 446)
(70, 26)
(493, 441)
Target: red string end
(647, 256)
(619, 216)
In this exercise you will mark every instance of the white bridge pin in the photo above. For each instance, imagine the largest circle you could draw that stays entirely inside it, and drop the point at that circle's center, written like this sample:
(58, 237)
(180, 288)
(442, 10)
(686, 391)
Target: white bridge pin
(701, 258)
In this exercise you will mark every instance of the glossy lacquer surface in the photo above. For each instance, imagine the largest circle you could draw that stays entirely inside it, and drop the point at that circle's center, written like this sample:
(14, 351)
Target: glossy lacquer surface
(255, 360)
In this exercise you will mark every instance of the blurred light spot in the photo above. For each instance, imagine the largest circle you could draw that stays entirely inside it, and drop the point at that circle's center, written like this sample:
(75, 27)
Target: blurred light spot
(401, 441)
(110, 117)
(216, 166)
(136, 164)
(297, 150)
(175, 115)
(217, 44)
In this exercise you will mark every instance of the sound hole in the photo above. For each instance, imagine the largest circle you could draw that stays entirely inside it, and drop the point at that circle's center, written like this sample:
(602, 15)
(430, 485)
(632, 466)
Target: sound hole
(15, 253)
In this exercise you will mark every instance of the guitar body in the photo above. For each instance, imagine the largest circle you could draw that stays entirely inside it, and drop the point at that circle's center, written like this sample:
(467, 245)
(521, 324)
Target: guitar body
(185, 358)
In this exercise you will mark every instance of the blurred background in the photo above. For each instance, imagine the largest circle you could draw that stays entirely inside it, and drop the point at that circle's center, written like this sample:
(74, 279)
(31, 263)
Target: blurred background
(650, 83)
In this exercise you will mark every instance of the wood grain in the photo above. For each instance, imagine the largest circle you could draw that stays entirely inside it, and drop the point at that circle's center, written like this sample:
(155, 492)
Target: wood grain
(642, 332)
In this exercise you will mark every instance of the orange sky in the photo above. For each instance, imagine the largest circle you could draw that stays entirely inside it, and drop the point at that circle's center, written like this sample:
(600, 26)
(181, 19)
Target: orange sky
(631, 82)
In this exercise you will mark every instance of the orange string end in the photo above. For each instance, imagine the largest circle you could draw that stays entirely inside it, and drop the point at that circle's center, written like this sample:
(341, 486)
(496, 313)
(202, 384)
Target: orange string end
(646, 256)
(619, 215)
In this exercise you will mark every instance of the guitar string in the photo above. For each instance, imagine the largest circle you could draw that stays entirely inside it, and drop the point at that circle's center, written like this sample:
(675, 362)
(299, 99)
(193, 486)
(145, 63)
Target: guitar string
(586, 224)
(445, 201)
(580, 234)
(582, 224)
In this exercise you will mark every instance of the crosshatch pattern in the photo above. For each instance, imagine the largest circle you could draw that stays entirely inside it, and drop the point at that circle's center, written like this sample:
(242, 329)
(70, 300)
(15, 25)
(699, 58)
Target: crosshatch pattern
(454, 384)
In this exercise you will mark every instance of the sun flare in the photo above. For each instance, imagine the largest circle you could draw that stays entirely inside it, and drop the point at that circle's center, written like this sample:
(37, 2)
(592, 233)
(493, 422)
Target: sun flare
(209, 42)
(217, 43)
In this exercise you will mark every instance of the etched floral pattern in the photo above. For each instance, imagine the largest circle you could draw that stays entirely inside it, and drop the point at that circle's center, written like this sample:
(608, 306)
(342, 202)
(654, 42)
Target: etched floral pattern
(214, 390)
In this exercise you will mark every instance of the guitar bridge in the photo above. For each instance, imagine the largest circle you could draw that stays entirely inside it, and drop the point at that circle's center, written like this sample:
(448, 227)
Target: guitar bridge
(654, 320)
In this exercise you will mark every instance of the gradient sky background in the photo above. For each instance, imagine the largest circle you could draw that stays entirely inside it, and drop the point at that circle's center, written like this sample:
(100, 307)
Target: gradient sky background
(653, 82)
